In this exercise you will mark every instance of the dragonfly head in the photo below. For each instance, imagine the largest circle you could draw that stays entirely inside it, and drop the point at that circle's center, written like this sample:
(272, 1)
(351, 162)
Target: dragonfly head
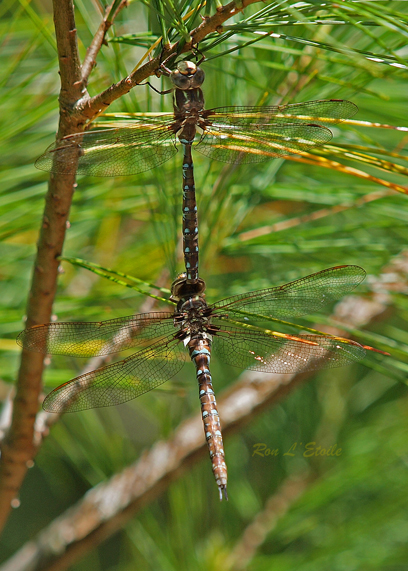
(181, 290)
(187, 75)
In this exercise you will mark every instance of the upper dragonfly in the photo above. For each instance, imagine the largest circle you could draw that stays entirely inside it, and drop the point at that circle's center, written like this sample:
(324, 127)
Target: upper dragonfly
(242, 134)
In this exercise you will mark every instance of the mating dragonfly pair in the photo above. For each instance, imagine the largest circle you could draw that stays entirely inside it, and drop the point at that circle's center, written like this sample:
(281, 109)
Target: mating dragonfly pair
(231, 135)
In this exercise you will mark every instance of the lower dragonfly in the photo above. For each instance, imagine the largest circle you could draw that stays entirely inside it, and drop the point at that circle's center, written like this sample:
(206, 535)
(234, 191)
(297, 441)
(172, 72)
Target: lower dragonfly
(197, 326)
(244, 134)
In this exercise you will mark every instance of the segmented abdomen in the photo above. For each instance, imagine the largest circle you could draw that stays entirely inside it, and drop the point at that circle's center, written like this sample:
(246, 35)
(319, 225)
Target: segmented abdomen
(200, 353)
(190, 224)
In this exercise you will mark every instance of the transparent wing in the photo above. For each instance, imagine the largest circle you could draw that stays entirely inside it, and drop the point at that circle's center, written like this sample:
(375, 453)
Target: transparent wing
(87, 339)
(293, 299)
(111, 152)
(240, 145)
(254, 134)
(321, 112)
(119, 382)
(268, 353)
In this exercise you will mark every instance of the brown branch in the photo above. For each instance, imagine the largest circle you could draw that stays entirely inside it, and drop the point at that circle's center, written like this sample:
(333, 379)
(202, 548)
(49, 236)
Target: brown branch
(108, 506)
(68, 55)
(18, 448)
(99, 39)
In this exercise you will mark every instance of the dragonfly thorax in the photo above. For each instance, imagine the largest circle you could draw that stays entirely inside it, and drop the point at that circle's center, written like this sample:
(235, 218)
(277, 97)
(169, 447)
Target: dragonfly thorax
(188, 104)
(194, 307)
(193, 318)
(188, 108)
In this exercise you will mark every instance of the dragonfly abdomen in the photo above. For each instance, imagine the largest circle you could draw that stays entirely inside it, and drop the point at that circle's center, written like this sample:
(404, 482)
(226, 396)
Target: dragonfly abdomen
(190, 221)
(200, 353)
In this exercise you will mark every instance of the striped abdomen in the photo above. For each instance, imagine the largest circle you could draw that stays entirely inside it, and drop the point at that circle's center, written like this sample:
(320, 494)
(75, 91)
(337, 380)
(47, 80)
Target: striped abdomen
(190, 223)
(200, 353)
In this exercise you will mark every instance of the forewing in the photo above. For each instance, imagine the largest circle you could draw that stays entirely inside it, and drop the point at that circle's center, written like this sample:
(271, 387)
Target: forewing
(321, 112)
(88, 339)
(120, 382)
(111, 152)
(254, 134)
(306, 295)
(260, 351)
(236, 144)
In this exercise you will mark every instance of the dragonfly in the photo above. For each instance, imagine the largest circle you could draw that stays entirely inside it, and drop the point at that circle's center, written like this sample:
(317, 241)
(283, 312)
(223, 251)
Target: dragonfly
(243, 134)
(165, 339)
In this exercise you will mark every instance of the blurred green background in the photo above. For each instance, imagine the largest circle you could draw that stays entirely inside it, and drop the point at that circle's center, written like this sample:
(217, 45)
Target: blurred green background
(352, 513)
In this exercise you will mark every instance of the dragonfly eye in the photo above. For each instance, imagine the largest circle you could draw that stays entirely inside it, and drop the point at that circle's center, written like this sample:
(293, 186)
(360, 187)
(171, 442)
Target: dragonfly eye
(187, 75)
(179, 80)
(198, 78)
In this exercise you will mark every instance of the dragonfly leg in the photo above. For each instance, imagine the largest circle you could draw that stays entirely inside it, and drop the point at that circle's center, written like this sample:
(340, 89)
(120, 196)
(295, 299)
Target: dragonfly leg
(195, 50)
(156, 90)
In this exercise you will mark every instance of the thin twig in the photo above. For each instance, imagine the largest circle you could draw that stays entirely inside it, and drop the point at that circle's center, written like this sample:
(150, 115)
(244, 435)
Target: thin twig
(99, 39)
